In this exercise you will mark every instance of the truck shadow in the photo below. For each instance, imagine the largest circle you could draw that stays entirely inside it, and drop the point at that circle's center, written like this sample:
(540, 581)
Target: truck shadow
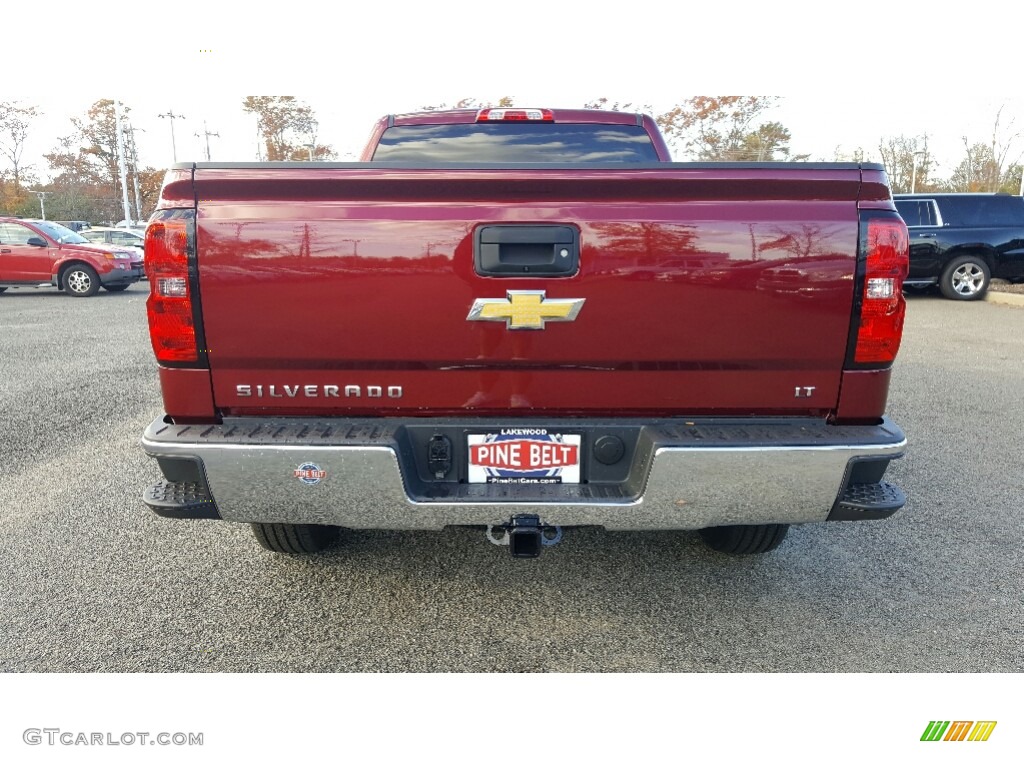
(599, 601)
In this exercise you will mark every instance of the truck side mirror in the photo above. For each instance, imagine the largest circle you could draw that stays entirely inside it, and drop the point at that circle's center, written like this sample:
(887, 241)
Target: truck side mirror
(38, 242)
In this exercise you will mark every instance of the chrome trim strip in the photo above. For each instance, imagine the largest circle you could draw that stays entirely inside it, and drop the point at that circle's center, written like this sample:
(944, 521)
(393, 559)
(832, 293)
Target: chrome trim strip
(687, 488)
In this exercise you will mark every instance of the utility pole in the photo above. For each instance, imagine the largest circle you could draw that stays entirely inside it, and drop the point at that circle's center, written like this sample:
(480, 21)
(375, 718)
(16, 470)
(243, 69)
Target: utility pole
(913, 174)
(120, 159)
(173, 117)
(207, 133)
(133, 151)
(42, 200)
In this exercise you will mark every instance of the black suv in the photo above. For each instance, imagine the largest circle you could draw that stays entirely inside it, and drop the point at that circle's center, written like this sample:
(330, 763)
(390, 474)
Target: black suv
(961, 241)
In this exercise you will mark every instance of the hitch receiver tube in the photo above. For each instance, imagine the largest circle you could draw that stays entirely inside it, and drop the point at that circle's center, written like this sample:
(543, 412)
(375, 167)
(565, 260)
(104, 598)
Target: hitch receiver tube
(524, 536)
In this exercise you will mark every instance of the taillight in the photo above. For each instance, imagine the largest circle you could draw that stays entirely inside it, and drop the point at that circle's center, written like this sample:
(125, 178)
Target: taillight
(495, 115)
(169, 241)
(886, 250)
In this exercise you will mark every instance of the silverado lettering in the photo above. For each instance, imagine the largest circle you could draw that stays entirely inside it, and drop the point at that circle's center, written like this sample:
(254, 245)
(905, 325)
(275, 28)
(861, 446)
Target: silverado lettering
(316, 390)
(729, 374)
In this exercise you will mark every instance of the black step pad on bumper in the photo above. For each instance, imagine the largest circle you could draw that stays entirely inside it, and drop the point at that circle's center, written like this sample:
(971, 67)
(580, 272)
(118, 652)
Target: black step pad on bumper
(868, 501)
(181, 500)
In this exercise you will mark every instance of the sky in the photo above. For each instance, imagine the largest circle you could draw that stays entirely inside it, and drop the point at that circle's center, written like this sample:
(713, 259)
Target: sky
(842, 79)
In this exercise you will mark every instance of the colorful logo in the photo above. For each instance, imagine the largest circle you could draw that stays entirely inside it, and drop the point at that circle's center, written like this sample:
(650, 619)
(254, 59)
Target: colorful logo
(525, 310)
(309, 473)
(524, 456)
(958, 730)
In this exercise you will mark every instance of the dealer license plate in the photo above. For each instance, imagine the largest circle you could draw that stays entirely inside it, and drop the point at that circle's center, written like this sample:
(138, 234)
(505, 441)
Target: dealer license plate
(524, 456)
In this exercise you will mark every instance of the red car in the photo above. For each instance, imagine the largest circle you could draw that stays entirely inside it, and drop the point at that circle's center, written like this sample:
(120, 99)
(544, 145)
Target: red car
(34, 252)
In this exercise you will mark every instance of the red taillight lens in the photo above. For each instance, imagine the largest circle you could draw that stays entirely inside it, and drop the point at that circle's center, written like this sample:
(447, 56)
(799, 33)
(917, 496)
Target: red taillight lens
(171, 323)
(883, 306)
(502, 115)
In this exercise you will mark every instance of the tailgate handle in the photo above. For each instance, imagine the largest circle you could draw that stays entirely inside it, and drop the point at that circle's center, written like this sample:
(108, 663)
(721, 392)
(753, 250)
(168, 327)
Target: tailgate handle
(518, 250)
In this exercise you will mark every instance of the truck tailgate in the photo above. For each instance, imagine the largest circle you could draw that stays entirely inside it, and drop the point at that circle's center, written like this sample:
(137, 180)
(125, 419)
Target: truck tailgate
(346, 289)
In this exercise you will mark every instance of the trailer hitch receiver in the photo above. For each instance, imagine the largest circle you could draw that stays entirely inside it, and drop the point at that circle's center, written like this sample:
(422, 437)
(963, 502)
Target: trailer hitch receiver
(525, 535)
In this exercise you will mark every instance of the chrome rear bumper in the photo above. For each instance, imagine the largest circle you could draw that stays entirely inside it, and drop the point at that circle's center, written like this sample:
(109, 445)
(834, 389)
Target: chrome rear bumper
(680, 474)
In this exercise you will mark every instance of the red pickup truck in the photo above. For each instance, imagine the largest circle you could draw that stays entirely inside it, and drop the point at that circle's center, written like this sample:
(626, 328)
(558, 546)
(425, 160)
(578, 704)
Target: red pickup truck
(525, 320)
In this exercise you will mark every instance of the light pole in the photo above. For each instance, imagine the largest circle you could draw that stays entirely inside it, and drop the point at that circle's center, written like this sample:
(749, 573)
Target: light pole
(118, 127)
(913, 174)
(133, 151)
(173, 117)
(309, 148)
(42, 201)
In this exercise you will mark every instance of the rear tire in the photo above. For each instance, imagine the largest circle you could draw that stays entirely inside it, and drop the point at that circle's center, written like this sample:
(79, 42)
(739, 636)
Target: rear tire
(80, 280)
(965, 278)
(302, 539)
(744, 539)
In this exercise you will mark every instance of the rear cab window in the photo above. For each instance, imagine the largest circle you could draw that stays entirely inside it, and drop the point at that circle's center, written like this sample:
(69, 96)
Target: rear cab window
(508, 142)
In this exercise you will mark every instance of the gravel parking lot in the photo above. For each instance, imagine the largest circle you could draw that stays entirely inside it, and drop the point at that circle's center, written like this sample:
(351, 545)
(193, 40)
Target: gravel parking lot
(95, 582)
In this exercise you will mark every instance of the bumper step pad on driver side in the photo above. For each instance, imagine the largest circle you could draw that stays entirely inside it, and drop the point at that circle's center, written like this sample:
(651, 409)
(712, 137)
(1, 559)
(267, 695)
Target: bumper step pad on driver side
(868, 501)
(181, 500)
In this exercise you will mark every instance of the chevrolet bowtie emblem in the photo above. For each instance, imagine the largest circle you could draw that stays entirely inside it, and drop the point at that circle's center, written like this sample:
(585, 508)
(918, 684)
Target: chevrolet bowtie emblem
(525, 310)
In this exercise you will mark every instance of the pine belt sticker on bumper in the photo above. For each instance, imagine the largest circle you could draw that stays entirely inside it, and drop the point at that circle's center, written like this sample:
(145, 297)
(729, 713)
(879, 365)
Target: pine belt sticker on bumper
(309, 473)
(524, 457)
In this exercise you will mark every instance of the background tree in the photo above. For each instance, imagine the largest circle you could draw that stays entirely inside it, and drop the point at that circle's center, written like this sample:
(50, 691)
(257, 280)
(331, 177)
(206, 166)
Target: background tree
(769, 141)
(977, 172)
(15, 120)
(504, 102)
(287, 126)
(1012, 183)
(79, 189)
(857, 155)
(899, 155)
(86, 168)
(85, 179)
(984, 166)
(616, 106)
(97, 135)
(727, 128)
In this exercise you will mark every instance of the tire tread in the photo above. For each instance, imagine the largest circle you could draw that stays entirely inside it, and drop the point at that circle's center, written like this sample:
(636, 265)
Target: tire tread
(300, 539)
(745, 539)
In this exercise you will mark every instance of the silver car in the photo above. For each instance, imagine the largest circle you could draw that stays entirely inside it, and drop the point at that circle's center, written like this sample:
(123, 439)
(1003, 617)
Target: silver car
(124, 239)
